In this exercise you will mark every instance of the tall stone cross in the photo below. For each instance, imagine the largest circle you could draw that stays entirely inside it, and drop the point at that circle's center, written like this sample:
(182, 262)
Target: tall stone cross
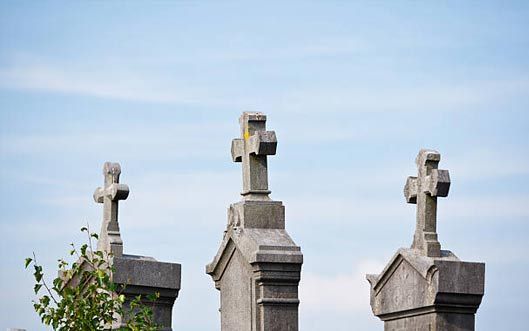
(252, 149)
(423, 190)
(110, 238)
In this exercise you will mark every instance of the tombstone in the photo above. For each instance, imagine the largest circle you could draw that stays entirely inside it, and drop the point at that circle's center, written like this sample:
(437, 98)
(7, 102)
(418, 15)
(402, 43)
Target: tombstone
(135, 275)
(257, 267)
(425, 287)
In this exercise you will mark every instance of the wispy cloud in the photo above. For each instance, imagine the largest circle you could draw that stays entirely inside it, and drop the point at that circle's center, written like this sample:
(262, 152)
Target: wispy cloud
(381, 98)
(161, 198)
(329, 47)
(343, 293)
(124, 84)
(181, 138)
(486, 164)
(352, 210)
(490, 207)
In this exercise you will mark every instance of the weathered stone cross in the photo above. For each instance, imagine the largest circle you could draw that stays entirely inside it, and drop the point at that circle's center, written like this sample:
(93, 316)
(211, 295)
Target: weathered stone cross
(423, 191)
(251, 150)
(110, 238)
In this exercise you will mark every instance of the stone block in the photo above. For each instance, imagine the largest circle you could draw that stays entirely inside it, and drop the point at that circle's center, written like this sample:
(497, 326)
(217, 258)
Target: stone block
(257, 214)
(139, 275)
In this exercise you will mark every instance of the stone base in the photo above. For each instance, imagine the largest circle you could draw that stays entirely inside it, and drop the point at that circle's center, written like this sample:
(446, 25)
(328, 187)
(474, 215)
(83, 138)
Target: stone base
(144, 276)
(416, 292)
(432, 321)
(257, 270)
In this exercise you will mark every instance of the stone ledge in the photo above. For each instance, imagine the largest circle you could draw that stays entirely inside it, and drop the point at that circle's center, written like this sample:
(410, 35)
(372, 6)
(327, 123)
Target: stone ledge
(146, 272)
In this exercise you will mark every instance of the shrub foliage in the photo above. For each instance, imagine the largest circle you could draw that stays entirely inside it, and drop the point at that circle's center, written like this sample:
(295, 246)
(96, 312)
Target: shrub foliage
(84, 297)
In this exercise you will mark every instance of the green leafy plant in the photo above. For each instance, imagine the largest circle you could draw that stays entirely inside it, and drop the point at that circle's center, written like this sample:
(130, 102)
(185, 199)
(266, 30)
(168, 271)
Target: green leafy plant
(84, 297)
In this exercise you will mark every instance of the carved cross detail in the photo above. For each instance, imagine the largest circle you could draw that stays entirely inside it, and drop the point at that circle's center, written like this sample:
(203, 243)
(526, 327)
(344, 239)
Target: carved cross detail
(423, 190)
(110, 238)
(252, 149)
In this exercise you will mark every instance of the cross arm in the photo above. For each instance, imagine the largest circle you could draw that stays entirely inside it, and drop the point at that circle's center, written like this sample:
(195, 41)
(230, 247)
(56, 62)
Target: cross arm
(237, 149)
(410, 190)
(438, 183)
(114, 192)
(263, 143)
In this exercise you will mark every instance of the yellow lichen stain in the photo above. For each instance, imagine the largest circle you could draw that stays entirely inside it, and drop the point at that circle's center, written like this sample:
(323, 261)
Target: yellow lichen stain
(246, 134)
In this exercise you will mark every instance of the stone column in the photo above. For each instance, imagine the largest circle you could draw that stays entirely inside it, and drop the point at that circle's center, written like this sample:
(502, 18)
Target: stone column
(425, 287)
(257, 268)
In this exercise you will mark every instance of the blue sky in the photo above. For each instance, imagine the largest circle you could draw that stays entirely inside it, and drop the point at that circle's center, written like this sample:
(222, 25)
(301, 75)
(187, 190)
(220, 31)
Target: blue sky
(353, 91)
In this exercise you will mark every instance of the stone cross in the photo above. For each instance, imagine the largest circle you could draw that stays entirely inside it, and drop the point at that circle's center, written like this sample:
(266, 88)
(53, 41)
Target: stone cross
(423, 190)
(110, 238)
(252, 149)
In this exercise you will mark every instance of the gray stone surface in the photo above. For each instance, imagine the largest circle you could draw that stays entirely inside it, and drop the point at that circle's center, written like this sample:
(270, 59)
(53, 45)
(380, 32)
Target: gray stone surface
(252, 149)
(424, 287)
(143, 276)
(257, 267)
(136, 275)
(109, 195)
(423, 190)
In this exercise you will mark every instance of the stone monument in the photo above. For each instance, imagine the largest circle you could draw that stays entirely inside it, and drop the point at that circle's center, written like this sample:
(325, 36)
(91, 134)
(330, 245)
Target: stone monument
(257, 267)
(424, 287)
(138, 275)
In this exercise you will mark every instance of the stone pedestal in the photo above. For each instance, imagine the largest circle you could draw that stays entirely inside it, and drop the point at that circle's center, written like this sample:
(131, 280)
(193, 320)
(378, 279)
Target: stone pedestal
(425, 287)
(140, 275)
(416, 292)
(257, 270)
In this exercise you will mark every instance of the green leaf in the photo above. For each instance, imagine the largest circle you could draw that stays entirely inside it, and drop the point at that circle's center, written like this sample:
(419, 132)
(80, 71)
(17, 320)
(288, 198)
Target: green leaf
(36, 288)
(38, 273)
(153, 296)
(84, 228)
(57, 282)
(28, 261)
